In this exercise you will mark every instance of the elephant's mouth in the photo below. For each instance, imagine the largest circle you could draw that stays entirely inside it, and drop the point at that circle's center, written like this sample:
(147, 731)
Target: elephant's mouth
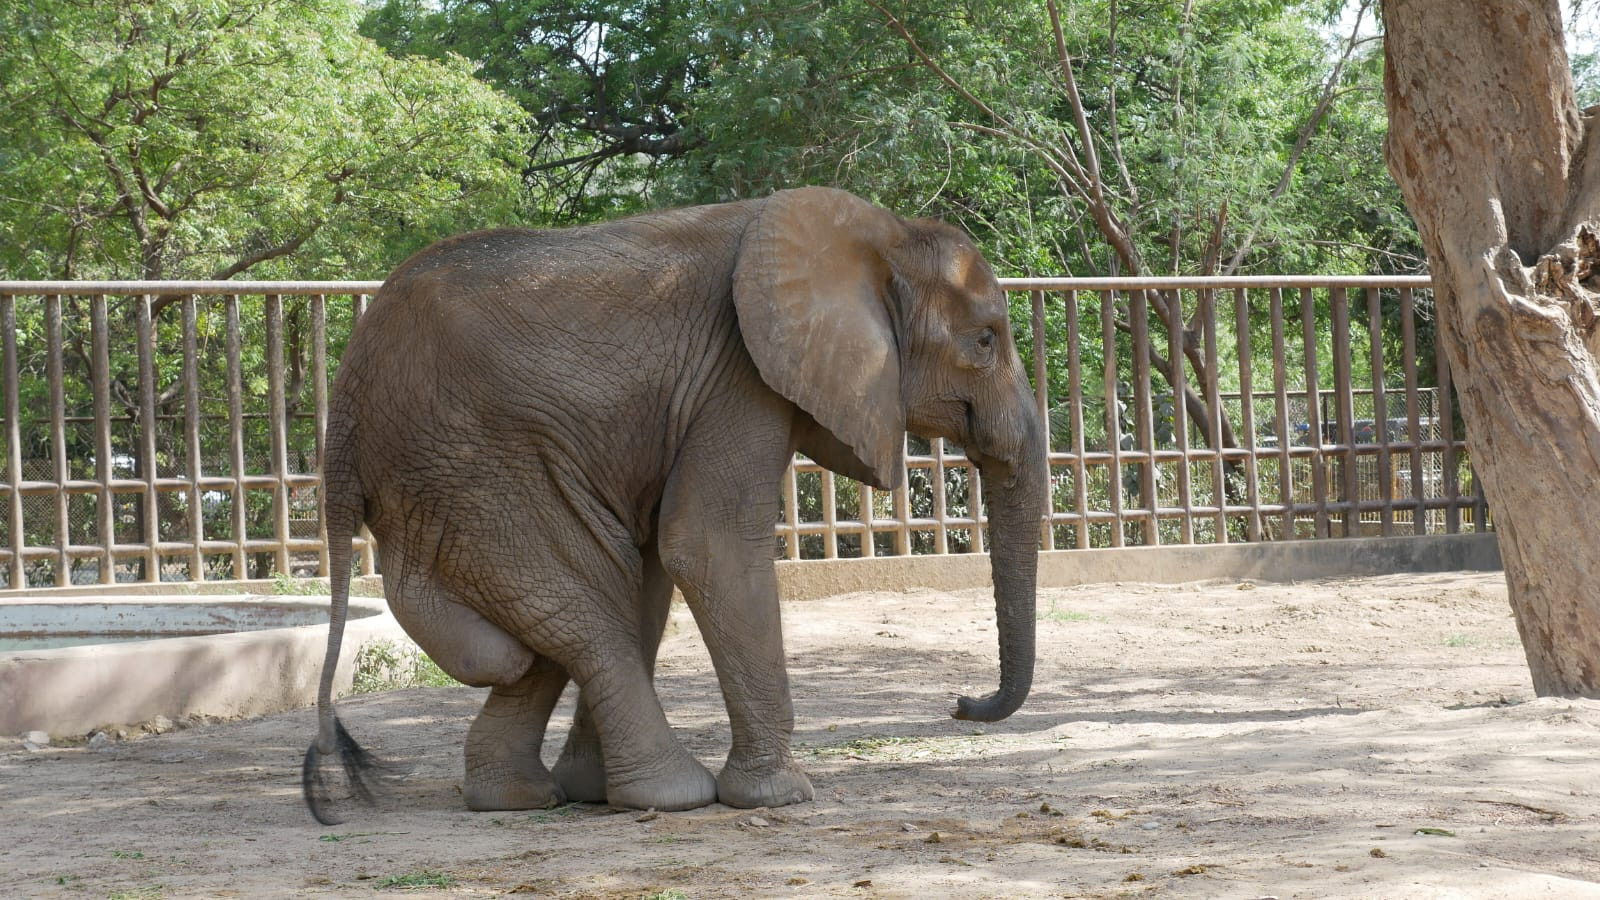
(997, 467)
(969, 435)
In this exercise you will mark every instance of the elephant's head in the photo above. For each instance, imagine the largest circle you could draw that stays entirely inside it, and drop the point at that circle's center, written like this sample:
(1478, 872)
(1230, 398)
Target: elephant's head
(875, 325)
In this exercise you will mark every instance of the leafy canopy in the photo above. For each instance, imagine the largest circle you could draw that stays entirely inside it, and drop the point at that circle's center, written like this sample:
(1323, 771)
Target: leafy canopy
(210, 138)
(608, 85)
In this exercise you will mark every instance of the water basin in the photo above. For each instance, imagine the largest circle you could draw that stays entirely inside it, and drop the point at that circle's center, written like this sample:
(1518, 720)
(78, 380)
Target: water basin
(57, 641)
(70, 665)
(48, 626)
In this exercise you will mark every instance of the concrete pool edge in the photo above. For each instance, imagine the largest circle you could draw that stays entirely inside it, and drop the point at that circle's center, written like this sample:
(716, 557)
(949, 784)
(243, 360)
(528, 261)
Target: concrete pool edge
(73, 690)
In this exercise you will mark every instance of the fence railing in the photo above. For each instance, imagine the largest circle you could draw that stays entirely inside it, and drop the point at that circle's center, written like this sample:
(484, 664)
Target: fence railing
(1301, 407)
(171, 431)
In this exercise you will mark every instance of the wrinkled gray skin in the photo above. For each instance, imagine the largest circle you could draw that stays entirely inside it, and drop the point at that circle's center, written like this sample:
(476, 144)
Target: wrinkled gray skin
(547, 431)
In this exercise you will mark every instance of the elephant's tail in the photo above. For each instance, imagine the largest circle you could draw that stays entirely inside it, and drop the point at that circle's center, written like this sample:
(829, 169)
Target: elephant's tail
(342, 512)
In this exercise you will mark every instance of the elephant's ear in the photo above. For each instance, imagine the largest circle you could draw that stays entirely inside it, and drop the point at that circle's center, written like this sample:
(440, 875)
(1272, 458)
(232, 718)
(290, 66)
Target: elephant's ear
(812, 289)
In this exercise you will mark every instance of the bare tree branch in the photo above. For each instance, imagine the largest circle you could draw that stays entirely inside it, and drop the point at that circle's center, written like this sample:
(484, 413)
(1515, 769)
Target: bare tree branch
(934, 67)
(1065, 167)
(260, 256)
(1329, 93)
(1111, 106)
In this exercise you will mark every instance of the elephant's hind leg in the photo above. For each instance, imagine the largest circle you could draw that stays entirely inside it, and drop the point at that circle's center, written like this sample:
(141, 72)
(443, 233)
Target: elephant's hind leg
(571, 588)
(581, 770)
(504, 768)
(503, 765)
(645, 766)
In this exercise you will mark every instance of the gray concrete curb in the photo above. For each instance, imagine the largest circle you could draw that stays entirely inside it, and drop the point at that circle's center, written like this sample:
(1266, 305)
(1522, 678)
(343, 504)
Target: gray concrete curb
(1264, 561)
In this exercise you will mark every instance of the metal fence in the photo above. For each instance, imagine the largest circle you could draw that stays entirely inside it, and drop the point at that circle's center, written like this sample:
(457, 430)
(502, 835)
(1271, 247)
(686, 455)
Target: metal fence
(170, 431)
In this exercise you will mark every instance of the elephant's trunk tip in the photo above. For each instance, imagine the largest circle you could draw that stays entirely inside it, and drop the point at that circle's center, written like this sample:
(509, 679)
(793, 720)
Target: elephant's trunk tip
(992, 708)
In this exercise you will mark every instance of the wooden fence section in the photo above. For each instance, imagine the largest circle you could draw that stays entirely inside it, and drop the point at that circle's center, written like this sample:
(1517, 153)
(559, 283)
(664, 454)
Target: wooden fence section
(167, 431)
(1300, 407)
(171, 431)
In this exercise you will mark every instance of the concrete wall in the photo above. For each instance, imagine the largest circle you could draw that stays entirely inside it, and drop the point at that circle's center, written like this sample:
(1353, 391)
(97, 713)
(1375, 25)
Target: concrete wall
(1263, 561)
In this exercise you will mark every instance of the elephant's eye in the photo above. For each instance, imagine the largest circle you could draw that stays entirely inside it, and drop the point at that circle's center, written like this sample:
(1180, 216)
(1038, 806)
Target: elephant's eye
(984, 347)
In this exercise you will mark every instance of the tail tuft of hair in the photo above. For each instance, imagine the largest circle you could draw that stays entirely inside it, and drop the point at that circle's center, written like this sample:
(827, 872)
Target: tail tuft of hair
(361, 769)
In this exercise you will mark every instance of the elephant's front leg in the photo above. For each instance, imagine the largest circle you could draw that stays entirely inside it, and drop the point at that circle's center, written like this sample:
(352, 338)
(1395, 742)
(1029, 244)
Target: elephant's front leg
(716, 542)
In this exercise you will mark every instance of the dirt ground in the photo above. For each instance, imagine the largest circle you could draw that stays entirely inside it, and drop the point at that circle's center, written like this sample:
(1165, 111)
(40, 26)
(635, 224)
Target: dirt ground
(1371, 737)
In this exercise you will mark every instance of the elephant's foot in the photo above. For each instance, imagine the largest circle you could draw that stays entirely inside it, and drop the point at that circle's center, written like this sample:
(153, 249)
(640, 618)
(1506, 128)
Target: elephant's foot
(492, 787)
(748, 786)
(581, 771)
(677, 782)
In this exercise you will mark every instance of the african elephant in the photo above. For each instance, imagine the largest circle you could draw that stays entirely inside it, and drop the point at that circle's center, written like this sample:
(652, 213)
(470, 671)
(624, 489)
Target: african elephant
(546, 431)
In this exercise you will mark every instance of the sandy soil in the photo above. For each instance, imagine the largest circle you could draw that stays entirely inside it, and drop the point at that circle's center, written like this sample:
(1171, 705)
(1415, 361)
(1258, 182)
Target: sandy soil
(1357, 738)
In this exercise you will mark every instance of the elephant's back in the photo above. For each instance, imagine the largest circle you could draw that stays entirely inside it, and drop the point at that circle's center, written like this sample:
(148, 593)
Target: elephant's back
(518, 343)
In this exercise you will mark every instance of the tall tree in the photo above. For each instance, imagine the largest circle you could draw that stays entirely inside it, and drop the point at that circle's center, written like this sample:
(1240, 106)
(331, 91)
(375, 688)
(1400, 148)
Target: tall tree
(605, 82)
(1501, 170)
(191, 138)
(1175, 138)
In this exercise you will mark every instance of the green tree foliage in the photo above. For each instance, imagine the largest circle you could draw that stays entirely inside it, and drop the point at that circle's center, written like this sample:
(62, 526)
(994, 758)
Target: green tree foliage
(192, 138)
(1227, 136)
(1236, 135)
(607, 84)
(1583, 35)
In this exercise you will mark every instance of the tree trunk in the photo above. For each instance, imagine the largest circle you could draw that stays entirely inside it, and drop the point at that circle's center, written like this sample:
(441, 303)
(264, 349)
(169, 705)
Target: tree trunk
(1499, 171)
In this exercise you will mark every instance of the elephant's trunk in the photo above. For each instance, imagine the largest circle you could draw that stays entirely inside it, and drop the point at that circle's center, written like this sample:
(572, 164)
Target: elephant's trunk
(1015, 491)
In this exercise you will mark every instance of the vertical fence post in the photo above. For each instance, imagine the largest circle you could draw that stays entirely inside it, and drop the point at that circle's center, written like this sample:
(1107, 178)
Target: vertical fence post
(1280, 387)
(867, 514)
(150, 520)
(191, 434)
(1247, 412)
(1179, 383)
(980, 530)
(1144, 416)
(241, 496)
(1109, 370)
(830, 517)
(1041, 397)
(1080, 471)
(58, 437)
(277, 426)
(1213, 395)
(100, 340)
(19, 537)
(1344, 412)
(1408, 331)
(1319, 460)
(1380, 413)
(941, 509)
(902, 507)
